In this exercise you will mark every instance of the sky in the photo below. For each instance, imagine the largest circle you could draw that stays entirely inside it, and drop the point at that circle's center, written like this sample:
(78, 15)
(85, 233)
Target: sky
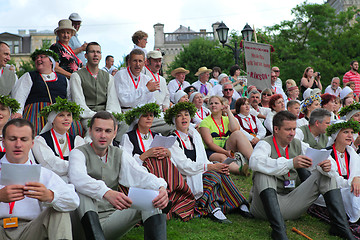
(111, 23)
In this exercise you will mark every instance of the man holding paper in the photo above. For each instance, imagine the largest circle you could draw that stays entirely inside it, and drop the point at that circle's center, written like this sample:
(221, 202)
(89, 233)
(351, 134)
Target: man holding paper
(277, 191)
(96, 170)
(31, 209)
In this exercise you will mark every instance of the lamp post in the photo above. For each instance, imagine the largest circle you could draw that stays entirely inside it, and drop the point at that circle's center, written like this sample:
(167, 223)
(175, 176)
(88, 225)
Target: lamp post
(222, 32)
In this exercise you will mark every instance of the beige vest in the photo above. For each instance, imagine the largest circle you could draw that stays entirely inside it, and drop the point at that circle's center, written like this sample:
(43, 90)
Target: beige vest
(294, 150)
(107, 172)
(95, 90)
(7, 81)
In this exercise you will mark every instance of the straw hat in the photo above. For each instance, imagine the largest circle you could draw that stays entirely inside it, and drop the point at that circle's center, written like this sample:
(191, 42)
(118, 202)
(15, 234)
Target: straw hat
(179, 70)
(65, 24)
(202, 70)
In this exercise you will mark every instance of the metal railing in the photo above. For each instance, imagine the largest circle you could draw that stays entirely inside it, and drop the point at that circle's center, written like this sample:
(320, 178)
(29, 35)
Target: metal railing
(187, 36)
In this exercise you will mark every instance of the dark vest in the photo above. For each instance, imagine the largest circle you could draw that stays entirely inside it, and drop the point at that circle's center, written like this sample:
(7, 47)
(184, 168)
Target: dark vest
(294, 150)
(189, 153)
(255, 128)
(39, 93)
(49, 141)
(133, 139)
(309, 138)
(94, 89)
(333, 156)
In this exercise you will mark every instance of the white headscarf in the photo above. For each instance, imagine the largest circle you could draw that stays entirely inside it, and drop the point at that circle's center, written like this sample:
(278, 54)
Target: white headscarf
(50, 119)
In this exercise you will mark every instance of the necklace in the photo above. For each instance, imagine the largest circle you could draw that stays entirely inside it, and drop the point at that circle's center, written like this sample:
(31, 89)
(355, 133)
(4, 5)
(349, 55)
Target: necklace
(61, 140)
(146, 136)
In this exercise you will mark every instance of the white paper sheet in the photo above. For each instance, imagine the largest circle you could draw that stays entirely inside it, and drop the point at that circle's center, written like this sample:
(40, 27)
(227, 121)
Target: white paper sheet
(161, 141)
(229, 160)
(19, 173)
(142, 198)
(317, 156)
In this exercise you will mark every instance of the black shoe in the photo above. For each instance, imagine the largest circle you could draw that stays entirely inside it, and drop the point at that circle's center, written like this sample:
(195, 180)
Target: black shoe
(272, 209)
(167, 208)
(91, 225)
(155, 227)
(245, 214)
(225, 221)
(339, 223)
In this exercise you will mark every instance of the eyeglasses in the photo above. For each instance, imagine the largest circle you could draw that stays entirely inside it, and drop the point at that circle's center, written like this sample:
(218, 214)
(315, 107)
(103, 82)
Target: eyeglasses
(228, 90)
(276, 70)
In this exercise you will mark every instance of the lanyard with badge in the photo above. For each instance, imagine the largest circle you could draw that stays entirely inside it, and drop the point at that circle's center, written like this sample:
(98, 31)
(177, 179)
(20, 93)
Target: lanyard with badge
(287, 183)
(11, 222)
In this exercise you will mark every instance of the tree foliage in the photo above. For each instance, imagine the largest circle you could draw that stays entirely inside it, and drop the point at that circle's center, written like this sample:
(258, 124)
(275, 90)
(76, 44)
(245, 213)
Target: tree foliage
(199, 53)
(316, 37)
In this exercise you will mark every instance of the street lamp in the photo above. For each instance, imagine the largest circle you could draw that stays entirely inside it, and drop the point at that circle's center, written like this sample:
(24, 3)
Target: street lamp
(222, 32)
(247, 33)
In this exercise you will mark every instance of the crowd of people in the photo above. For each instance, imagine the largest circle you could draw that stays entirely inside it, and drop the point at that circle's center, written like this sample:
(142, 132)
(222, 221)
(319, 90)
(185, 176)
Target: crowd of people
(92, 132)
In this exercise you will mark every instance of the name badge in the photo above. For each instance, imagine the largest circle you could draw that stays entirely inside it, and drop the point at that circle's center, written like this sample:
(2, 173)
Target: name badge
(289, 184)
(10, 222)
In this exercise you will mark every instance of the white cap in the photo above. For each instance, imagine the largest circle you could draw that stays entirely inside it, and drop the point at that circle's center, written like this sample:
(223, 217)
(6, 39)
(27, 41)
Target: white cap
(179, 94)
(75, 17)
(345, 91)
(154, 54)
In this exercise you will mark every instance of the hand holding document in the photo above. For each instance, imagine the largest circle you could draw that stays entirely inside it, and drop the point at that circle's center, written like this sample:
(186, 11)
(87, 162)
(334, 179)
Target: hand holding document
(317, 156)
(142, 198)
(161, 141)
(12, 174)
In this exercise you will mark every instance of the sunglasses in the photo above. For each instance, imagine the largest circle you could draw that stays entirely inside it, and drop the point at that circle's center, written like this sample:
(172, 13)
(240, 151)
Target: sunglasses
(228, 90)
(276, 70)
(267, 94)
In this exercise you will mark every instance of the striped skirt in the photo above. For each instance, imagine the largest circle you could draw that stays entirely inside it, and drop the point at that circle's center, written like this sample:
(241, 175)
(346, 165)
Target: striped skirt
(183, 201)
(32, 113)
(219, 191)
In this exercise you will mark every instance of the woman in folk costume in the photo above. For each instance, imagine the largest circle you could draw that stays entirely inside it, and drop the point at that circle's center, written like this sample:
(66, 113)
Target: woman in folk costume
(52, 147)
(352, 112)
(214, 191)
(38, 89)
(345, 169)
(250, 125)
(157, 160)
(7, 106)
(202, 112)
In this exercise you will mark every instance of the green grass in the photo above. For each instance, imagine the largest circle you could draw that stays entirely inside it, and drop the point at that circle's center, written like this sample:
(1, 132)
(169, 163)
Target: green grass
(241, 228)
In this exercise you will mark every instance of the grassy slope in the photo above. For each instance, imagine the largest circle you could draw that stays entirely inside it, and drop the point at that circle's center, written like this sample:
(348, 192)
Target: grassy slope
(241, 228)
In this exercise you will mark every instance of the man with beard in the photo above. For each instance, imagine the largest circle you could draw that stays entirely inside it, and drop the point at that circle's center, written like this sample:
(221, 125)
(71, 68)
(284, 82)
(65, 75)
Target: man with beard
(256, 110)
(353, 76)
(92, 88)
(152, 69)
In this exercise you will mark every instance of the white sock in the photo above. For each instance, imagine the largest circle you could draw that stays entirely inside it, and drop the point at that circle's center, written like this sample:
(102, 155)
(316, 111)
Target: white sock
(219, 214)
(244, 208)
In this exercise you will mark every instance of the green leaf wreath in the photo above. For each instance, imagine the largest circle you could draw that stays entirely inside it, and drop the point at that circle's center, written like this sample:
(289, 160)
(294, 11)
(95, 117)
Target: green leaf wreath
(174, 110)
(63, 105)
(46, 52)
(355, 106)
(131, 115)
(343, 125)
(7, 101)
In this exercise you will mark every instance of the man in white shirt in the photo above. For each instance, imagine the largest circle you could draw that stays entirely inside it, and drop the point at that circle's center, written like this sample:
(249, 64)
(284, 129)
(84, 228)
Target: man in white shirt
(134, 88)
(334, 88)
(109, 62)
(202, 85)
(178, 83)
(278, 82)
(217, 89)
(92, 88)
(275, 88)
(74, 42)
(152, 69)
(254, 100)
(40, 209)
(96, 170)
(278, 192)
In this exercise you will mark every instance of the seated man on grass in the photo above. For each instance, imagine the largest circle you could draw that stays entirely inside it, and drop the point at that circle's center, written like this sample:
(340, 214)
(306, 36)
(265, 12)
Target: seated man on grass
(36, 210)
(278, 194)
